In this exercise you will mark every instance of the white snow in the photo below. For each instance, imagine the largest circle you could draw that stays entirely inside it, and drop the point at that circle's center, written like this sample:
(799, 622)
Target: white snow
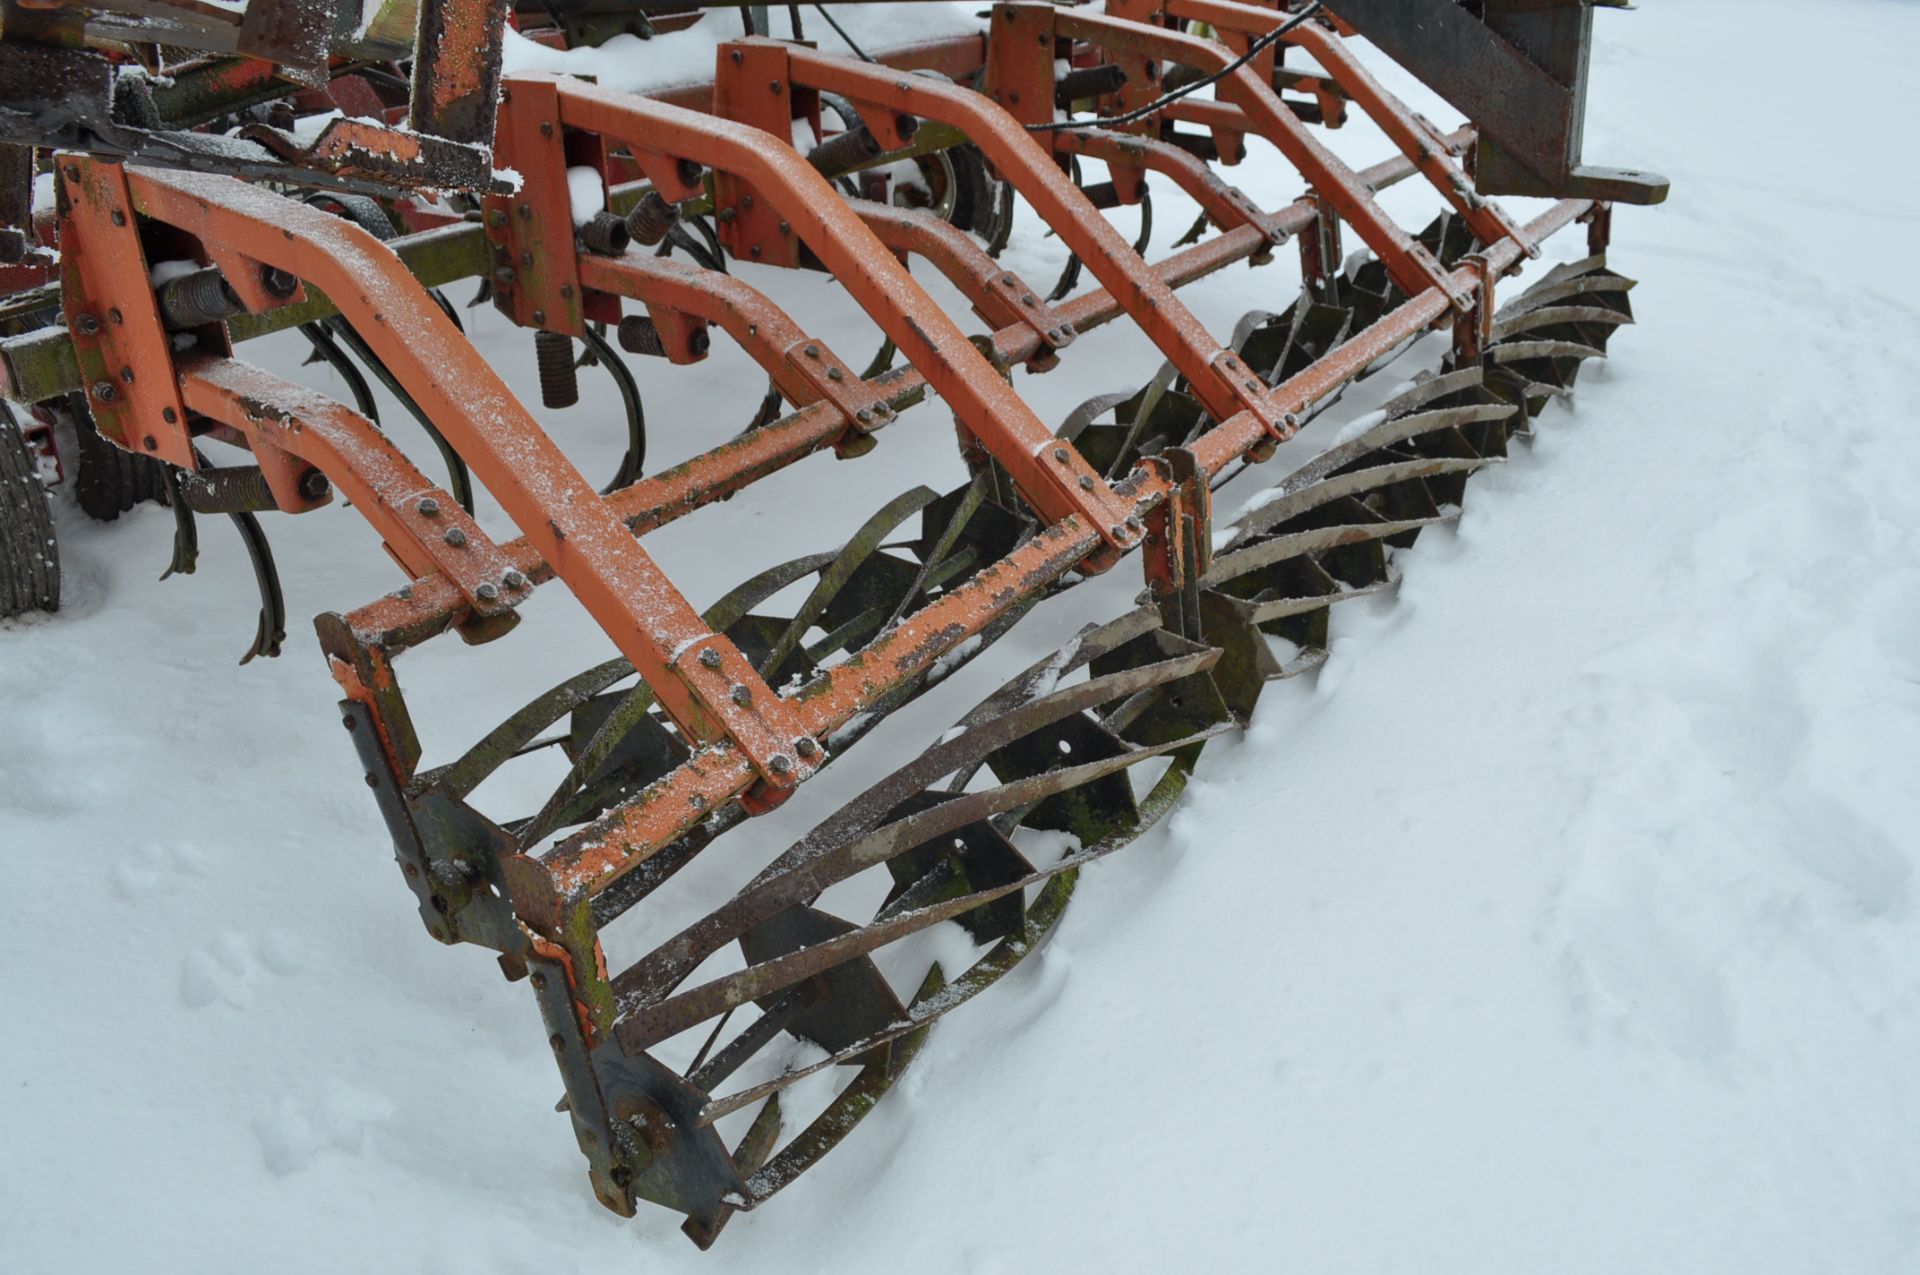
(168, 271)
(630, 64)
(1563, 922)
(586, 193)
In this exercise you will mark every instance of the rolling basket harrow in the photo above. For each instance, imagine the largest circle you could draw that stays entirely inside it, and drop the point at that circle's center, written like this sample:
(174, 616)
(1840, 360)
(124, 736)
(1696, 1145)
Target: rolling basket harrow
(205, 194)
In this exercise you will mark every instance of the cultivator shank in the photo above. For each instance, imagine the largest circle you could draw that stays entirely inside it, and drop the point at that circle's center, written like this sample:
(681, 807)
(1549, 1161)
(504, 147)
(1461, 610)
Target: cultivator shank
(706, 1071)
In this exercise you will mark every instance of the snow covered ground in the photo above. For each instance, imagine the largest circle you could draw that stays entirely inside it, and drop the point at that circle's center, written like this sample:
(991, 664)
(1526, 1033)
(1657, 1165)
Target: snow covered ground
(1564, 923)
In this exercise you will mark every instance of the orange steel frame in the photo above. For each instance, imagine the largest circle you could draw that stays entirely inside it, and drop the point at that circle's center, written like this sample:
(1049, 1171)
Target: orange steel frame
(749, 741)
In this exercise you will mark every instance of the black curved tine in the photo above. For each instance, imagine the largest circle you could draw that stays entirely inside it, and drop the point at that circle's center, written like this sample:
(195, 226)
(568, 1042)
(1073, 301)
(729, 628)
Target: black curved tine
(769, 410)
(1145, 236)
(633, 464)
(328, 349)
(186, 534)
(273, 605)
(881, 361)
(272, 629)
(447, 306)
(459, 482)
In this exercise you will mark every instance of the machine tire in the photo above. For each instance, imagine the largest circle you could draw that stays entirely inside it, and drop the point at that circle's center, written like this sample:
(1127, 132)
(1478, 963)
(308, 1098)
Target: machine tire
(29, 557)
(109, 481)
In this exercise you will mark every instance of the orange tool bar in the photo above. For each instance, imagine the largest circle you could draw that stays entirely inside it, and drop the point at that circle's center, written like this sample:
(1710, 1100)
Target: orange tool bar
(922, 332)
(426, 606)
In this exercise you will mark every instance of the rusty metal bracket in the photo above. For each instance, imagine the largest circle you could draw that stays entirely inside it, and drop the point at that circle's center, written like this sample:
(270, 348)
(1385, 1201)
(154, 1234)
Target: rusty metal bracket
(123, 347)
(536, 270)
(1179, 545)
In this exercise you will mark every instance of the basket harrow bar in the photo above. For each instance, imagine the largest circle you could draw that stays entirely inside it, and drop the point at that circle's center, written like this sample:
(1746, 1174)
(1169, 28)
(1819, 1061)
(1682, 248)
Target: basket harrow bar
(684, 734)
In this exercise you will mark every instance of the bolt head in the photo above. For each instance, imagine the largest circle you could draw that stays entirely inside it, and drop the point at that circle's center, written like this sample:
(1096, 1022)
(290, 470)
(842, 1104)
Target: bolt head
(805, 746)
(1086, 482)
(514, 580)
(87, 323)
(487, 592)
(104, 391)
(455, 537)
(781, 764)
(835, 374)
(709, 658)
(430, 507)
(741, 696)
(1060, 454)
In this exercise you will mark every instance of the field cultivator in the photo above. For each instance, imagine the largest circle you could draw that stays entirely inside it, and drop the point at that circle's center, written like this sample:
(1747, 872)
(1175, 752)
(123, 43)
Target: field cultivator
(216, 175)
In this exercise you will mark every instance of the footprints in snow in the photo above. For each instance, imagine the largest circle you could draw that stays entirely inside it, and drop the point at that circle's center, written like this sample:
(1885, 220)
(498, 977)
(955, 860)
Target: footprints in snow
(229, 968)
(1704, 835)
(297, 1130)
(153, 869)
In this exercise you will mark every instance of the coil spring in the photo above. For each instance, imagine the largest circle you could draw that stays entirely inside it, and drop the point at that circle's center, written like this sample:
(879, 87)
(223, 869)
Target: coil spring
(1088, 81)
(204, 296)
(848, 150)
(559, 381)
(638, 335)
(651, 219)
(605, 235)
(241, 489)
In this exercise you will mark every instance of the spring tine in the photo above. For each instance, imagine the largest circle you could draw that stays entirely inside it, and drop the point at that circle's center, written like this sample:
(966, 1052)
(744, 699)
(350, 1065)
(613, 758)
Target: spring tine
(459, 481)
(186, 536)
(325, 347)
(634, 462)
(272, 630)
